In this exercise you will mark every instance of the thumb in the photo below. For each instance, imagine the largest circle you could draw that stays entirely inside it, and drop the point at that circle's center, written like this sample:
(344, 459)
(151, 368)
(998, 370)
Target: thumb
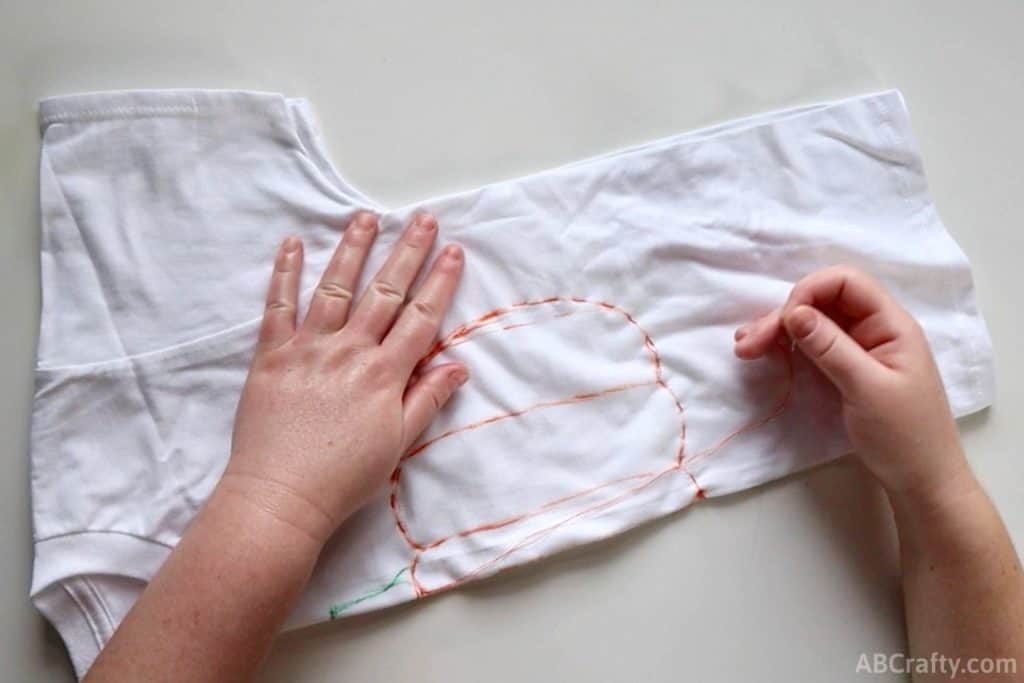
(833, 351)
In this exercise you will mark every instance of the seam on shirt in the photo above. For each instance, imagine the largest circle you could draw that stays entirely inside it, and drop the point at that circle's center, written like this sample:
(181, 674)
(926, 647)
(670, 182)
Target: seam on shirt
(126, 362)
(119, 113)
(102, 607)
(78, 532)
(87, 616)
(180, 350)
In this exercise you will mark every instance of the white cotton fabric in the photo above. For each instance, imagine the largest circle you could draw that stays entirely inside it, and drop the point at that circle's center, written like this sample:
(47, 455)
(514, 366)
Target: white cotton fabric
(595, 315)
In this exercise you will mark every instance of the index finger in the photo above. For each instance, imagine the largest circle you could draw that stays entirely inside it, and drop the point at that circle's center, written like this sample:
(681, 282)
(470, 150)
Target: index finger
(850, 291)
(870, 309)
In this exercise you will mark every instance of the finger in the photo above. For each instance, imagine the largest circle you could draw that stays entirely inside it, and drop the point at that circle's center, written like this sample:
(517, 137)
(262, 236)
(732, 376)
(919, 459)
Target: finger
(847, 292)
(386, 294)
(278, 324)
(754, 339)
(330, 304)
(425, 399)
(417, 326)
(833, 351)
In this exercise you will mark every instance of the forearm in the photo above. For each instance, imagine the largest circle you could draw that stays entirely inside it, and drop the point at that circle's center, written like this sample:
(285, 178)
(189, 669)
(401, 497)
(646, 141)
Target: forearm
(962, 581)
(211, 612)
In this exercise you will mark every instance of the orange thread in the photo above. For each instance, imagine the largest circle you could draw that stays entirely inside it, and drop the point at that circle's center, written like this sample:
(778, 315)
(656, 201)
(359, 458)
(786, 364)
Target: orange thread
(417, 587)
(777, 410)
(460, 335)
(542, 533)
(526, 515)
(577, 398)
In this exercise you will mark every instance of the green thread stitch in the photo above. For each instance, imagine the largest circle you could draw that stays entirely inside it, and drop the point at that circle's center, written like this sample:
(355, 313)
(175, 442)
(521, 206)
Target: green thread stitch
(336, 610)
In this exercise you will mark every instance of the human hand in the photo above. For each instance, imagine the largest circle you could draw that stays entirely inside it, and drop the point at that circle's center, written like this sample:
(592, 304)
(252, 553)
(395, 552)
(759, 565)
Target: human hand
(331, 404)
(894, 405)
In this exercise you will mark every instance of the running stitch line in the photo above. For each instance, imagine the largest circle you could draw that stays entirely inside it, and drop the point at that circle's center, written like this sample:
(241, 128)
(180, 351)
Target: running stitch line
(460, 335)
(540, 534)
(118, 113)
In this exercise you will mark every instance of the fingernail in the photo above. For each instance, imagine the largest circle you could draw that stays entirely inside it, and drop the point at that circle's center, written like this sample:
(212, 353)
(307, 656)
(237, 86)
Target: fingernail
(801, 322)
(425, 222)
(453, 252)
(459, 376)
(741, 332)
(291, 243)
(366, 220)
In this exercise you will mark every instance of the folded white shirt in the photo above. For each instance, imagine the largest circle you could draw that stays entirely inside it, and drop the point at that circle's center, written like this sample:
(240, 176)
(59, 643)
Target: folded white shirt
(595, 316)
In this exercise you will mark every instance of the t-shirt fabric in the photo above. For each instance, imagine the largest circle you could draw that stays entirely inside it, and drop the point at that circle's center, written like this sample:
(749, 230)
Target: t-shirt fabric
(595, 315)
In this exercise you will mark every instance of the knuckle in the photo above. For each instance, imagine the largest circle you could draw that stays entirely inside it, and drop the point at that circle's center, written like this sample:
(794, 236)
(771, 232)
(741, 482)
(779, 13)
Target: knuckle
(268, 365)
(915, 330)
(839, 271)
(334, 290)
(439, 396)
(813, 282)
(280, 305)
(424, 308)
(843, 270)
(388, 291)
(378, 365)
(828, 346)
(355, 340)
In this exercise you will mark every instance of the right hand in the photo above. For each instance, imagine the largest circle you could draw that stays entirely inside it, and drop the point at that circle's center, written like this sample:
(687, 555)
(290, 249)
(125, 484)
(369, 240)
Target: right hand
(894, 405)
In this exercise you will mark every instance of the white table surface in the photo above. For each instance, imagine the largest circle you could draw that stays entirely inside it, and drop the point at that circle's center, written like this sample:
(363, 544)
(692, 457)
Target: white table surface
(791, 581)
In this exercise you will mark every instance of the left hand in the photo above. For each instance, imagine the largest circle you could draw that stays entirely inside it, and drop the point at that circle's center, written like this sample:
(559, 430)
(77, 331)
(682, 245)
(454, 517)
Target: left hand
(331, 404)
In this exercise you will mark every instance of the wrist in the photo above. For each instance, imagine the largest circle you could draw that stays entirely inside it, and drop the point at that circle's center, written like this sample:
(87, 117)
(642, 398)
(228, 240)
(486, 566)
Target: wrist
(947, 482)
(940, 520)
(274, 507)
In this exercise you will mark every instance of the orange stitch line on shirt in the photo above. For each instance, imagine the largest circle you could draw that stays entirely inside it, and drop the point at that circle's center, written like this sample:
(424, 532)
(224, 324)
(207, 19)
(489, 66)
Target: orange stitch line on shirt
(490, 316)
(396, 475)
(542, 533)
(700, 494)
(460, 334)
(526, 515)
(577, 398)
(465, 336)
(417, 587)
(456, 336)
(776, 411)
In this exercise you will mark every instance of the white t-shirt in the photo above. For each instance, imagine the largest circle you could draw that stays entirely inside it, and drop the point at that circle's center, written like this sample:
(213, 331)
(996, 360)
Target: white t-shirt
(595, 315)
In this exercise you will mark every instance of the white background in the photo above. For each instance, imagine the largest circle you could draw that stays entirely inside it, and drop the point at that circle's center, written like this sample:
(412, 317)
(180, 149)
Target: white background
(788, 582)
